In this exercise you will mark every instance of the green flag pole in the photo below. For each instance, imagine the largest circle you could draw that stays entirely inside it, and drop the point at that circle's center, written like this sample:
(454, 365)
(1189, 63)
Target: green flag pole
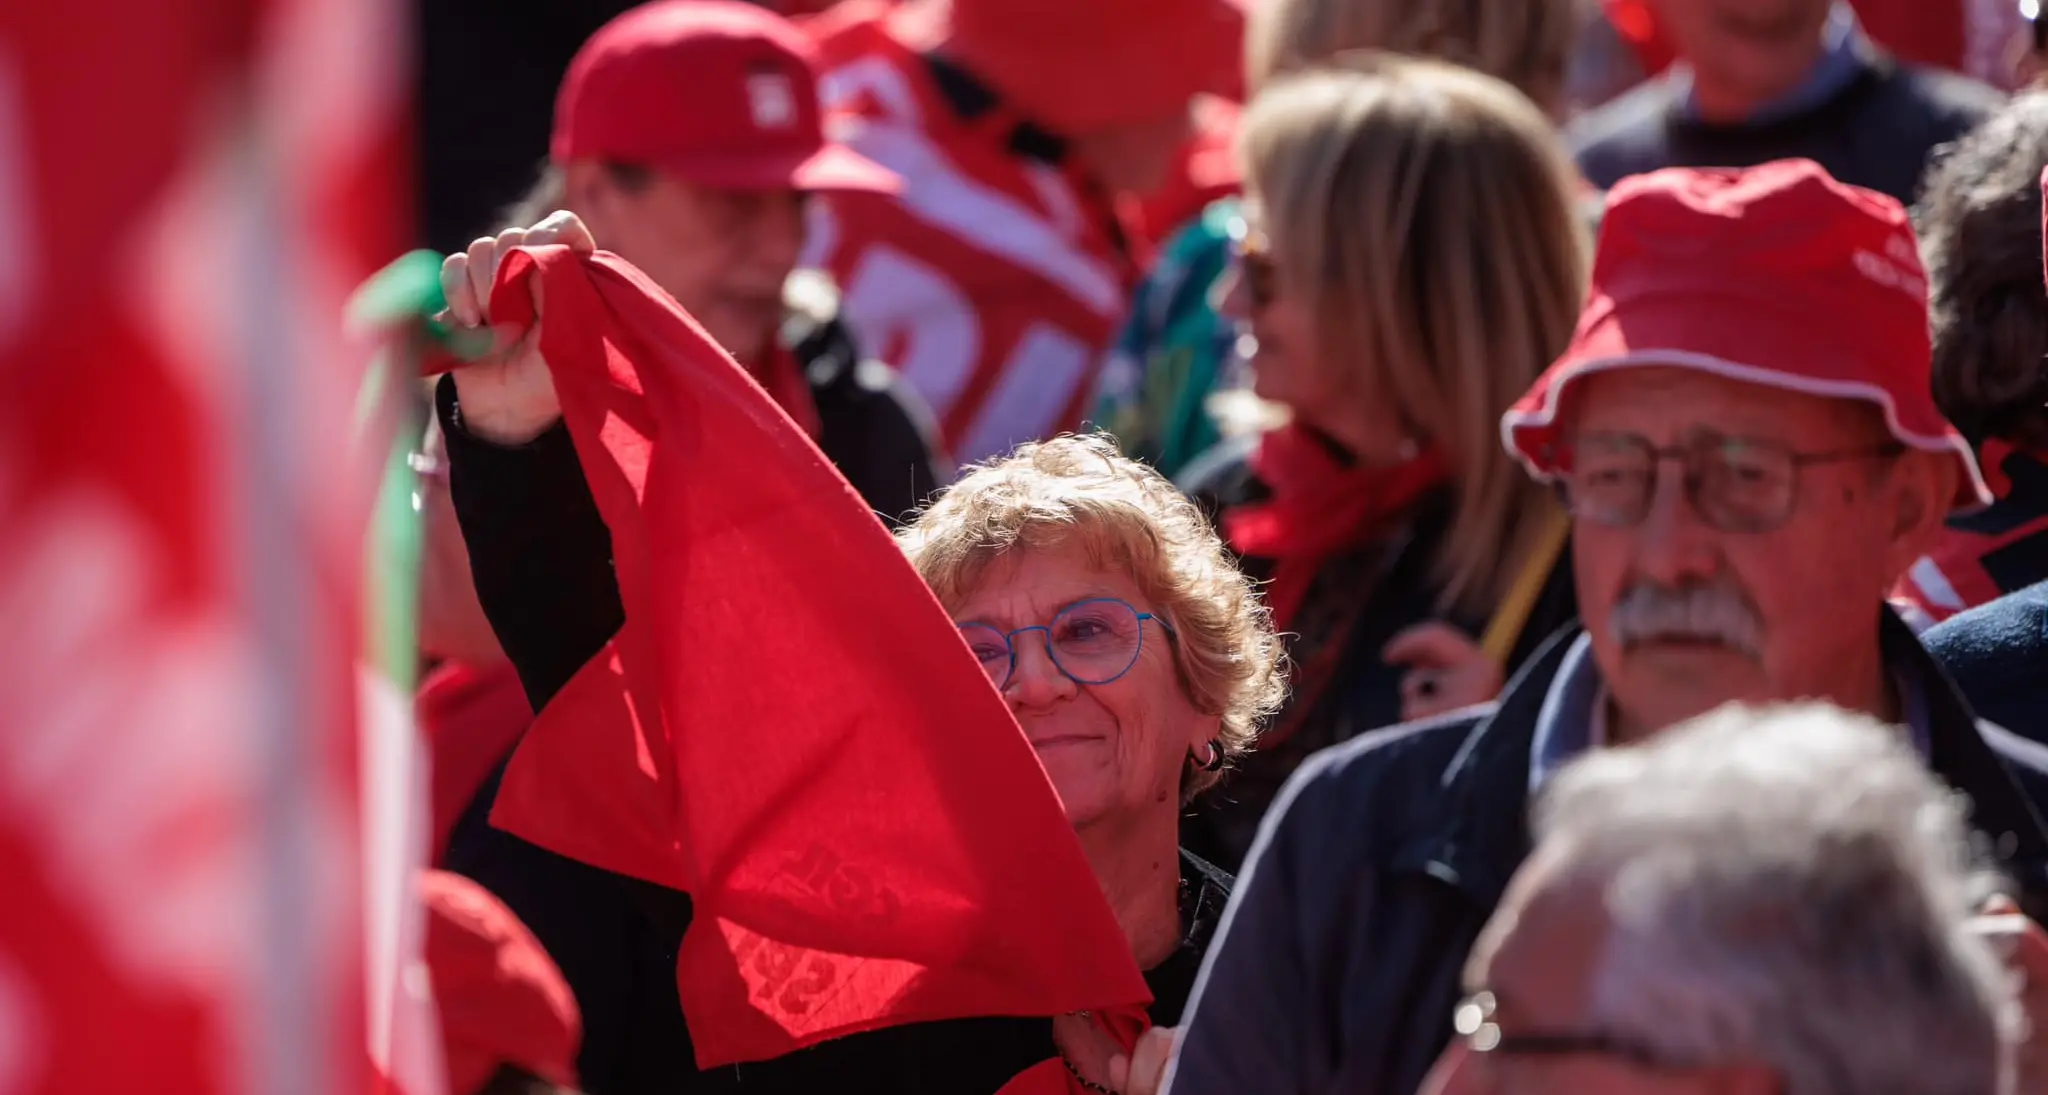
(396, 307)
(402, 304)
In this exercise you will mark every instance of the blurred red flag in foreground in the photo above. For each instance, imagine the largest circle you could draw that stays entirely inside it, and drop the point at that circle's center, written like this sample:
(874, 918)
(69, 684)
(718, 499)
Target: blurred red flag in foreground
(788, 727)
(187, 193)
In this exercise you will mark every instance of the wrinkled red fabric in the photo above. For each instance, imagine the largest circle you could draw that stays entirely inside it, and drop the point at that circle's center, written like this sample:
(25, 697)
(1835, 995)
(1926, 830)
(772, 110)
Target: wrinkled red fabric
(1320, 506)
(470, 717)
(788, 727)
(182, 544)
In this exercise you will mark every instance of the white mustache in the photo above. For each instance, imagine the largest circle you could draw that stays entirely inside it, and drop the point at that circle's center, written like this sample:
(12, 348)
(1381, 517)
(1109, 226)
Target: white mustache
(1715, 614)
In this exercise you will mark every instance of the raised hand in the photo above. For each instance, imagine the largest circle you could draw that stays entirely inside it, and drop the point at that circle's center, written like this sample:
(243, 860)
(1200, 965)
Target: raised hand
(508, 397)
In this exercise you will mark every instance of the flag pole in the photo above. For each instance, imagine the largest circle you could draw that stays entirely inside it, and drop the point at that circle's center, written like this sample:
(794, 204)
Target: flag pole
(289, 1044)
(389, 424)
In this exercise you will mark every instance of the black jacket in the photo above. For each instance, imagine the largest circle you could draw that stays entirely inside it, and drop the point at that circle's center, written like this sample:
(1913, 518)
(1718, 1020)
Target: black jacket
(1876, 132)
(1360, 601)
(875, 430)
(541, 557)
(1339, 961)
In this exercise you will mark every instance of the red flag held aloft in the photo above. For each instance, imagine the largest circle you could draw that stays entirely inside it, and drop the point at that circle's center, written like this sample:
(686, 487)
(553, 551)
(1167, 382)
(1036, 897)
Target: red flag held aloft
(788, 726)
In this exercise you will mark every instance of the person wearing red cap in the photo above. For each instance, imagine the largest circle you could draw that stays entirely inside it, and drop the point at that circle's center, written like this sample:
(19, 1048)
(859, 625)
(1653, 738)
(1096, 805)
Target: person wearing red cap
(994, 279)
(689, 138)
(1743, 433)
(509, 1025)
(1760, 80)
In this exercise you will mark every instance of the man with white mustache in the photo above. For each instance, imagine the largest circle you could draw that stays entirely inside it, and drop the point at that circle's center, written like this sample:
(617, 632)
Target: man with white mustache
(1743, 433)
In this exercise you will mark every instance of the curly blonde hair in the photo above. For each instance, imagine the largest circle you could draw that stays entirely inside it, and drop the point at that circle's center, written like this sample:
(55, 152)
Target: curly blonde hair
(1081, 490)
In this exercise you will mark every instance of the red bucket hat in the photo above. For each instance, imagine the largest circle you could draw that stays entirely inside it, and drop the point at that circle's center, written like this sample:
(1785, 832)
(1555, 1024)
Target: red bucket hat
(1776, 275)
(501, 999)
(1083, 66)
(718, 92)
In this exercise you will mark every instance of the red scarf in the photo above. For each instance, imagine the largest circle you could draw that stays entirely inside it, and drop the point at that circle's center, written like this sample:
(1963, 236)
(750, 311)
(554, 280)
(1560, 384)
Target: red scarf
(1320, 506)
(866, 835)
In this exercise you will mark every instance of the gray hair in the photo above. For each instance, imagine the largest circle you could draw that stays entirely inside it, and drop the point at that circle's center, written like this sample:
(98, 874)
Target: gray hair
(1791, 888)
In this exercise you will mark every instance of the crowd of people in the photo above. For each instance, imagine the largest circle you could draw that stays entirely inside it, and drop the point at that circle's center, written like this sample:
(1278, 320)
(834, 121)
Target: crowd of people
(1515, 530)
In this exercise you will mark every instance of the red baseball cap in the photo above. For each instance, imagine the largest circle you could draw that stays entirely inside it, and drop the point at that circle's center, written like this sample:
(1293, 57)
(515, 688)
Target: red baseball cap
(1775, 275)
(718, 92)
(501, 999)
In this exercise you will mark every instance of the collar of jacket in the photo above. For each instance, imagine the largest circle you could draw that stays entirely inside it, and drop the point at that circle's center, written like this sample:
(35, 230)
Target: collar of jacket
(974, 101)
(821, 343)
(1480, 834)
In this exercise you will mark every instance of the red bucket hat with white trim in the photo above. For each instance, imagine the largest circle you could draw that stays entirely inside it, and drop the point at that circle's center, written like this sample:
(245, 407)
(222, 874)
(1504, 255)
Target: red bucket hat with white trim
(1776, 275)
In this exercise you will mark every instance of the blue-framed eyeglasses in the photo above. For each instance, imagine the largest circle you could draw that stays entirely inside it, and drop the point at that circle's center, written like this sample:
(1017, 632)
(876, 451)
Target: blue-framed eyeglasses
(1093, 641)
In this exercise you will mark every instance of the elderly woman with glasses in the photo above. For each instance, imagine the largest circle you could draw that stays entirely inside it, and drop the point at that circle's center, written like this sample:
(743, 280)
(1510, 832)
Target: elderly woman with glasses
(1133, 653)
(1136, 657)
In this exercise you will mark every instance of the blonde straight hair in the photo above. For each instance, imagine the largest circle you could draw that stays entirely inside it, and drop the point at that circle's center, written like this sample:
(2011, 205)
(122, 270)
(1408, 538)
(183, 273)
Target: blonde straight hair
(1428, 215)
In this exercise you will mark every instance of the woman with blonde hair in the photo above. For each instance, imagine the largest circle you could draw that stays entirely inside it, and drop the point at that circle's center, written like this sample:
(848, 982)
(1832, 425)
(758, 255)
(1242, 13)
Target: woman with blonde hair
(1174, 351)
(1413, 259)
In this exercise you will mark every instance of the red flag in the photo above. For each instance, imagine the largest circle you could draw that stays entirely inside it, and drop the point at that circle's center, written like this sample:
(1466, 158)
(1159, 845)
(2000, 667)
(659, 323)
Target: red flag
(178, 552)
(788, 726)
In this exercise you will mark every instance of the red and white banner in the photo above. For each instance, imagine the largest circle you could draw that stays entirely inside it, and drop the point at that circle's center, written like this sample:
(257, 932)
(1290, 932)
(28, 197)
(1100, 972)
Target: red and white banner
(187, 193)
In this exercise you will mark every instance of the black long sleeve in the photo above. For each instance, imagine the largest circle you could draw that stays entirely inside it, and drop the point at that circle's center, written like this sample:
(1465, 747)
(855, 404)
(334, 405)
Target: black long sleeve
(538, 549)
(541, 557)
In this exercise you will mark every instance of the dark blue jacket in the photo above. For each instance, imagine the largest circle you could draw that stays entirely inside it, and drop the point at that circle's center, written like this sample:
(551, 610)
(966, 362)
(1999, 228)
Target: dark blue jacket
(1876, 131)
(1998, 655)
(1337, 966)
